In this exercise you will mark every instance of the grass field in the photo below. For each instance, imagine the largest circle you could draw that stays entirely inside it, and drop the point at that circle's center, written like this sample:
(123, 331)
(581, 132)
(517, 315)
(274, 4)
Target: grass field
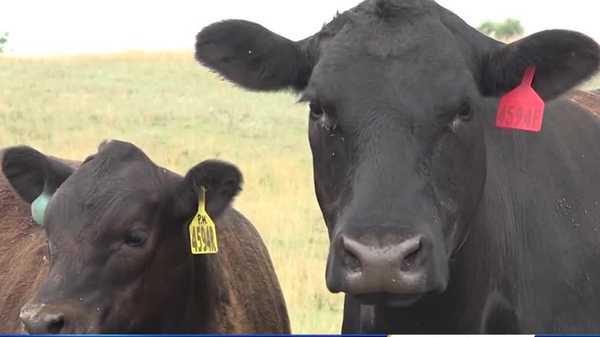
(180, 114)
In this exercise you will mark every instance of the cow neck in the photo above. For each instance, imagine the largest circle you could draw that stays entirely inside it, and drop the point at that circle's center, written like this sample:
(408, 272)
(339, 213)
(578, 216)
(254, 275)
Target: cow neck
(201, 297)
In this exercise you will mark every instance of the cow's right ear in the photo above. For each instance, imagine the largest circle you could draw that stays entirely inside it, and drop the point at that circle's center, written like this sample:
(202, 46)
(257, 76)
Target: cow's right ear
(562, 59)
(34, 176)
(250, 55)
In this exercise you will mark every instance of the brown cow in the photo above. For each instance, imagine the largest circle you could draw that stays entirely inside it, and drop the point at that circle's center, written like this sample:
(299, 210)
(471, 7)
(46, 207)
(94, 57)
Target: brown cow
(120, 258)
(23, 256)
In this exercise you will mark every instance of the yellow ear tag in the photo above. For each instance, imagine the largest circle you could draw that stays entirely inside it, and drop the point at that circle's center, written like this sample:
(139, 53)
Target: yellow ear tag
(203, 233)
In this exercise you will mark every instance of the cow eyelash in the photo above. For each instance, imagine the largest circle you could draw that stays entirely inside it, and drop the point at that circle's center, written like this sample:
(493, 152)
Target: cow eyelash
(136, 238)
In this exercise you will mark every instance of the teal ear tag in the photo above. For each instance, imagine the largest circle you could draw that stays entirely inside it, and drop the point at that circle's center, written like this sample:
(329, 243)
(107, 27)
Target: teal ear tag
(38, 208)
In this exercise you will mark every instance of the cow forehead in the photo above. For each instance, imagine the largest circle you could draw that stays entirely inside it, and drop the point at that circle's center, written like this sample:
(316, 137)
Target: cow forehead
(109, 188)
(117, 169)
(365, 55)
(402, 22)
(117, 180)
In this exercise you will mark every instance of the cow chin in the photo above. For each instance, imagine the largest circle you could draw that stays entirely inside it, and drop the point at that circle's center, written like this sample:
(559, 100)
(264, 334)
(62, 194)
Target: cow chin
(394, 299)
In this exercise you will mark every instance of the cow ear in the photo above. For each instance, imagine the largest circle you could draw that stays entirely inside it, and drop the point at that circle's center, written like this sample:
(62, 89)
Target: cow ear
(252, 56)
(34, 176)
(562, 60)
(222, 182)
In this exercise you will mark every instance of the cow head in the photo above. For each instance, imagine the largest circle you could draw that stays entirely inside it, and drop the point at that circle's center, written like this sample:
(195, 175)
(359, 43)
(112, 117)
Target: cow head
(398, 113)
(117, 237)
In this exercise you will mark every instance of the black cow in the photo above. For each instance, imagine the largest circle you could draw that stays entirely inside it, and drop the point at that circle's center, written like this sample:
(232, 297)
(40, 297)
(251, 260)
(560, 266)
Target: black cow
(119, 249)
(438, 220)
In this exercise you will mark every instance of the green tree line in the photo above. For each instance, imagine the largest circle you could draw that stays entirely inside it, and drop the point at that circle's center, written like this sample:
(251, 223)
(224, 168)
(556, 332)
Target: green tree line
(3, 41)
(505, 30)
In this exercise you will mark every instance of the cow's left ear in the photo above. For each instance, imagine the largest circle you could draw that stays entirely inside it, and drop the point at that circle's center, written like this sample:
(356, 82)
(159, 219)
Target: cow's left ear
(32, 173)
(221, 180)
(562, 60)
(34, 176)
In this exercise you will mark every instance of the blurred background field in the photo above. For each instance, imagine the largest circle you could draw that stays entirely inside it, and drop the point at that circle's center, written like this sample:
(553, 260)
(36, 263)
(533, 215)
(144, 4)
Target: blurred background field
(592, 84)
(180, 114)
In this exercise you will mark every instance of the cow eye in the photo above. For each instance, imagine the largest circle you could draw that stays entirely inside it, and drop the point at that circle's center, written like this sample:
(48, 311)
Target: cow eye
(316, 110)
(465, 112)
(136, 238)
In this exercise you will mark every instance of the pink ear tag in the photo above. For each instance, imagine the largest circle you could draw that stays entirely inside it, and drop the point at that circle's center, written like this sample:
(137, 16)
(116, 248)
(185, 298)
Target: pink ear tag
(521, 108)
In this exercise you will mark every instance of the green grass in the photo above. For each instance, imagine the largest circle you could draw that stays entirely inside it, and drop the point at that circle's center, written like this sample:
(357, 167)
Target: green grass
(180, 114)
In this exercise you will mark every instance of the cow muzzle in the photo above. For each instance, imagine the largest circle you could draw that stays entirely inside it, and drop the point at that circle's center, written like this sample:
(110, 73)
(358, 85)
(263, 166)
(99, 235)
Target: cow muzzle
(39, 318)
(395, 270)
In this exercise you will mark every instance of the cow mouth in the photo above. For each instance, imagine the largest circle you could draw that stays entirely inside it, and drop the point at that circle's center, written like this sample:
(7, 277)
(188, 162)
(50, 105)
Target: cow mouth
(389, 299)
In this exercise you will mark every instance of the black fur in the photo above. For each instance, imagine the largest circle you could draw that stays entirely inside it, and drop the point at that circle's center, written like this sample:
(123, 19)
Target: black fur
(390, 9)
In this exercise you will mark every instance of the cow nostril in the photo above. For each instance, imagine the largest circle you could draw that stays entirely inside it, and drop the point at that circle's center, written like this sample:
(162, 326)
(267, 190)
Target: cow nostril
(54, 323)
(350, 259)
(412, 255)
